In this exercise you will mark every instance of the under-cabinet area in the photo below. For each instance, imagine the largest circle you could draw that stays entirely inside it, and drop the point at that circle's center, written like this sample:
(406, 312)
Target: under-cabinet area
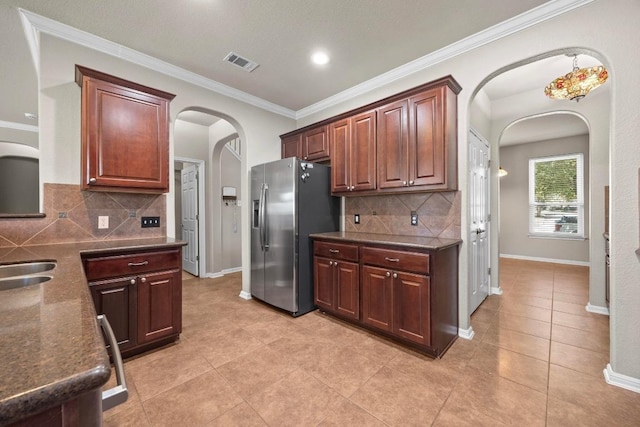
(403, 287)
(404, 143)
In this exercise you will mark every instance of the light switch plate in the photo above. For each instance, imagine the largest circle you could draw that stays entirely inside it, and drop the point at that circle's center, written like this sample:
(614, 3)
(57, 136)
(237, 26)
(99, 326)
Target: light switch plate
(356, 218)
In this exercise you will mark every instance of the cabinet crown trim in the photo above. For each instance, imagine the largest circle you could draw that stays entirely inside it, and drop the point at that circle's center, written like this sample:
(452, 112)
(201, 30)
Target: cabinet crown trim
(88, 72)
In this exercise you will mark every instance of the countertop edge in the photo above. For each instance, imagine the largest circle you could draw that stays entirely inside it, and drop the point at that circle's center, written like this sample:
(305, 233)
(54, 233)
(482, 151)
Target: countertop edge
(384, 239)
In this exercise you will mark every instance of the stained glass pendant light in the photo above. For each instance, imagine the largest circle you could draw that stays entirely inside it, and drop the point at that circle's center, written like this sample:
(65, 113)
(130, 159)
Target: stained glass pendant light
(576, 84)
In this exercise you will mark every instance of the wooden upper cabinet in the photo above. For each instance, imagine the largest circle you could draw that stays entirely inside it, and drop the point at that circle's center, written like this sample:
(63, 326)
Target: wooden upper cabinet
(125, 134)
(353, 158)
(417, 142)
(292, 146)
(311, 145)
(315, 144)
(393, 145)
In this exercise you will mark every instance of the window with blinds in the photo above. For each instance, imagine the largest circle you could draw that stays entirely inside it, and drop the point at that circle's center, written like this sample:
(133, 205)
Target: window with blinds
(556, 196)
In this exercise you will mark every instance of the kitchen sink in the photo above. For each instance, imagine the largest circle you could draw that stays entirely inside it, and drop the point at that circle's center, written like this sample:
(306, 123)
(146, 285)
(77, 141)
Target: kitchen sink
(21, 282)
(26, 268)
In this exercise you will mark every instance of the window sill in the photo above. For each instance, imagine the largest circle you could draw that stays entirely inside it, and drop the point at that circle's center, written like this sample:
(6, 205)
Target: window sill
(553, 237)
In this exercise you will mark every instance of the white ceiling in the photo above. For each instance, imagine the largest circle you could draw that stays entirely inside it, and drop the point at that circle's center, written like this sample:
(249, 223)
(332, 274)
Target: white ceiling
(365, 38)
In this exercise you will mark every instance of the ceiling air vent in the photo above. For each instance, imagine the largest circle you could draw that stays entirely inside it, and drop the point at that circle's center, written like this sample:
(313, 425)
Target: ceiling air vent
(241, 62)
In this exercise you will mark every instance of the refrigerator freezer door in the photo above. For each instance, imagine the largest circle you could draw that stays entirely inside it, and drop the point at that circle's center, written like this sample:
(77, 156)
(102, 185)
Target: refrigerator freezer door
(257, 254)
(280, 273)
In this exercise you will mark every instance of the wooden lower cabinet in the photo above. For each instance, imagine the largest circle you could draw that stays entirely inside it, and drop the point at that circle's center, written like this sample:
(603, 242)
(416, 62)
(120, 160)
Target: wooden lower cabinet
(159, 306)
(410, 295)
(117, 299)
(141, 295)
(336, 286)
(80, 411)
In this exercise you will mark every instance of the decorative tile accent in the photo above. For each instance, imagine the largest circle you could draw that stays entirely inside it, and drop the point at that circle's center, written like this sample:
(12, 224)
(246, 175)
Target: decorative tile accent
(80, 220)
(438, 214)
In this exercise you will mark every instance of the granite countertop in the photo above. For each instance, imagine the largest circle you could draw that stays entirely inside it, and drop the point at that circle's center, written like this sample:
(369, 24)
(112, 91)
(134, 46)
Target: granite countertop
(51, 346)
(431, 243)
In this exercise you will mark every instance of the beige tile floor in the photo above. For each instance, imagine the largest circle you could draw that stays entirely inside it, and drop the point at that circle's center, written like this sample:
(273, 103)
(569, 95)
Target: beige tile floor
(536, 359)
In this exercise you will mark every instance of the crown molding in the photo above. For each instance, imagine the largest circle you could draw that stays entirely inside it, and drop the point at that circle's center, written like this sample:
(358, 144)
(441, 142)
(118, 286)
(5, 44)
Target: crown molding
(18, 126)
(518, 23)
(35, 24)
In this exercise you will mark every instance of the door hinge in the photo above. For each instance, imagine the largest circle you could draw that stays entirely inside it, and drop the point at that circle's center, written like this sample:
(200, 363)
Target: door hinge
(488, 217)
(197, 257)
(489, 164)
(489, 271)
(197, 217)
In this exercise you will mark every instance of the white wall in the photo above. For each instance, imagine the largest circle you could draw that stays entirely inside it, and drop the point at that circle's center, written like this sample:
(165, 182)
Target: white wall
(514, 202)
(231, 232)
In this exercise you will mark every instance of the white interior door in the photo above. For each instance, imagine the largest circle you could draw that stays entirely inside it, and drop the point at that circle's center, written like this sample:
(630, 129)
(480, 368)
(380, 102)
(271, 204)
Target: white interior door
(190, 219)
(478, 220)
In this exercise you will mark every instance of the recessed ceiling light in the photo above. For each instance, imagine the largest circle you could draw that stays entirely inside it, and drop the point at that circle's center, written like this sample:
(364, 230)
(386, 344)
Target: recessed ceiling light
(320, 58)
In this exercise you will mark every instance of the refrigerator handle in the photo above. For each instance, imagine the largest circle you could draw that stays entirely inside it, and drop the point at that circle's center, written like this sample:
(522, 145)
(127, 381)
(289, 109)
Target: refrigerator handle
(261, 217)
(265, 218)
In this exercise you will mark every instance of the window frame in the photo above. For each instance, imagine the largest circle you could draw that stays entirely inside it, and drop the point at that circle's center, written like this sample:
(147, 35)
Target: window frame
(579, 203)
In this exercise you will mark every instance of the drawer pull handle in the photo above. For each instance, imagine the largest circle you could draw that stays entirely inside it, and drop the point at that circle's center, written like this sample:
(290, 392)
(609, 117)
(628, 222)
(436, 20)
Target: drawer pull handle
(138, 264)
(334, 251)
(392, 259)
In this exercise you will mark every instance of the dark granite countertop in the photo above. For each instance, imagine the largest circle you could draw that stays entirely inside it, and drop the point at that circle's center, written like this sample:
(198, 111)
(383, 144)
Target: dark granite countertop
(431, 243)
(51, 347)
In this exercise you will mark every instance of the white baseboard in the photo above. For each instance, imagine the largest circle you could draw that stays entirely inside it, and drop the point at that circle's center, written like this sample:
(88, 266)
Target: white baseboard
(553, 260)
(496, 291)
(620, 380)
(467, 334)
(597, 309)
(245, 295)
(231, 270)
(214, 275)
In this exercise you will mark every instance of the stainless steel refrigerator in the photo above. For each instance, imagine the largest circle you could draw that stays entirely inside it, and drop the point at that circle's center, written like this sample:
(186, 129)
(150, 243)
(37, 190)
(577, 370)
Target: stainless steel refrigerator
(290, 199)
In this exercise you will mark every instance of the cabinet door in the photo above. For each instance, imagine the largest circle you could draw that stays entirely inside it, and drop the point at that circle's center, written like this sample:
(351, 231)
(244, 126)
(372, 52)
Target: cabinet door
(393, 139)
(125, 141)
(159, 305)
(323, 283)
(315, 144)
(377, 297)
(426, 138)
(363, 152)
(116, 298)
(347, 289)
(292, 146)
(339, 137)
(411, 317)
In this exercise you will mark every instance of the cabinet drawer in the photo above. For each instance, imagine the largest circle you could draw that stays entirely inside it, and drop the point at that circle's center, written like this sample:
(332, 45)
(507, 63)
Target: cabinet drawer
(396, 260)
(336, 251)
(122, 265)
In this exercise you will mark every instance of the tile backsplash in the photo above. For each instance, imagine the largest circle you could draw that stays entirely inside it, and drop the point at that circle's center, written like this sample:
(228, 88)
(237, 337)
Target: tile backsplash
(438, 214)
(72, 216)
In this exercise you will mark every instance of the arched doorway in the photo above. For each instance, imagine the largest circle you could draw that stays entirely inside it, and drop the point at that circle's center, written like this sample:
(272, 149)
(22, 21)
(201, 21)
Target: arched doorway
(203, 140)
(516, 92)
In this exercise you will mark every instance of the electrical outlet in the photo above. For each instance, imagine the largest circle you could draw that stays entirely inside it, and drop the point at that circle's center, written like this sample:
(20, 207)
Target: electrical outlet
(356, 218)
(414, 218)
(150, 221)
(103, 222)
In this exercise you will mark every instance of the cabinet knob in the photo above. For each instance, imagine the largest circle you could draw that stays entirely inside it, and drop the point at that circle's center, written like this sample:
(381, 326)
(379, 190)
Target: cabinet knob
(395, 275)
(306, 157)
(133, 281)
(143, 279)
(92, 180)
(353, 187)
(388, 274)
(404, 183)
(410, 182)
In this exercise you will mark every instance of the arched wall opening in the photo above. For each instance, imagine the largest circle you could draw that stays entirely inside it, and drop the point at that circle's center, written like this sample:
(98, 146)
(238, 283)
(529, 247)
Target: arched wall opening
(200, 137)
(494, 117)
